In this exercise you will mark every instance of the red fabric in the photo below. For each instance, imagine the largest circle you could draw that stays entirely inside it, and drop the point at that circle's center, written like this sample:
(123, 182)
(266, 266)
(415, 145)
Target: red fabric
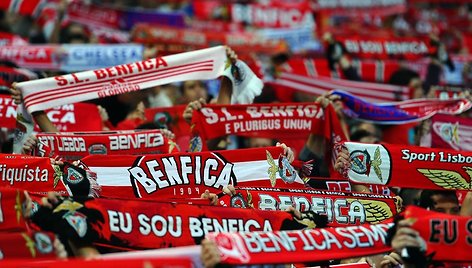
(273, 14)
(147, 225)
(11, 216)
(154, 262)
(301, 246)
(73, 146)
(71, 117)
(190, 174)
(427, 168)
(318, 85)
(33, 57)
(369, 70)
(129, 124)
(451, 132)
(172, 119)
(26, 245)
(356, 8)
(441, 231)
(341, 208)
(8, 39)
(22, 7)
(240, 41)
(259, 120)
(75, 117)
(398, 134)
(34, 174)
(385, 48)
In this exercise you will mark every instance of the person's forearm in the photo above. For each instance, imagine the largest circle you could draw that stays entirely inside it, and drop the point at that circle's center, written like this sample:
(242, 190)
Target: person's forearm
(466, 209)
(43, 122)
(226, 90)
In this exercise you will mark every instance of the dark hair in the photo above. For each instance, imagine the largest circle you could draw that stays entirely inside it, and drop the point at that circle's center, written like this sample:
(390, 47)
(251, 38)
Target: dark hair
(427, 202)
(359, 134)
(402, 77)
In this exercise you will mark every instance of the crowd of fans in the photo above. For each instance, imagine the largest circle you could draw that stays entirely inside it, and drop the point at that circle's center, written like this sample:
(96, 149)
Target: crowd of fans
(422, 20)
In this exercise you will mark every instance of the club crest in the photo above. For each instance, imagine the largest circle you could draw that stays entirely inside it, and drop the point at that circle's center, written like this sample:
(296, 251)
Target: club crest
(196, 144)
(78, 221)
(237, 201)
(43, 243)
(362, 163)
(73, 176)
(285, 170)
(450, 133)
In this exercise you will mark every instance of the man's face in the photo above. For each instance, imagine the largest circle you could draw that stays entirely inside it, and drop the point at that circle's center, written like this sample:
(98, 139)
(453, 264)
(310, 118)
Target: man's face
(194, 90)
(445, 204)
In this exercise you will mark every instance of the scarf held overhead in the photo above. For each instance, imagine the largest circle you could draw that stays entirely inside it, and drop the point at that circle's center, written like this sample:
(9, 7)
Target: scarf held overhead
(400, 112)
(50, 92)
(302, 245)
(441, 232)
(341, 208)
(451, 132)
(259, 120)
(319, 85)
(73, 146)
(190, 174)
(409, 166)
(147, 225)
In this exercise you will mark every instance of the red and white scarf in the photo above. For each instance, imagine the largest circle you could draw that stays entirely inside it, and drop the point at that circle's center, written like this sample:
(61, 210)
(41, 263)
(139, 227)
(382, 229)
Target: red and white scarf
(34, 174)
(190, 174)
(27, 245)
(51, 92)
(451, 132)
(341, 208)
(302, 245)
(427, 168)
(149, 225)
(319, 85)
(73, 146)
(71, 117)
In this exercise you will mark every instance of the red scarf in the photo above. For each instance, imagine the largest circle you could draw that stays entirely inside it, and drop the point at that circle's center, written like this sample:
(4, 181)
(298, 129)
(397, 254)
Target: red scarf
(34, 174)
(100, 263)
(33, 56)
(73, 146)
(301, 246)
(71, 117)
(198, 39)
(341, 208)
(259, 120)
(442, 231)
(427, 168)
(190, 174)
(285, 122)
(146, 225)
(27, 245)
(8, 39)
(385, 48)
(451, 132)
(11, 216)
(318, 85)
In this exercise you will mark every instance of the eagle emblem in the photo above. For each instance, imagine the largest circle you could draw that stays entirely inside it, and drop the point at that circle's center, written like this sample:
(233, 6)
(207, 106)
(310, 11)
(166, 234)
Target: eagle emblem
(57, 175)
(375, 211)
(285, 170)
(448, 179)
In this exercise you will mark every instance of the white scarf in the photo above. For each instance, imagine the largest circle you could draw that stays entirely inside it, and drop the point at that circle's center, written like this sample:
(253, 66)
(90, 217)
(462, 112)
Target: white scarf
(54, 91)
